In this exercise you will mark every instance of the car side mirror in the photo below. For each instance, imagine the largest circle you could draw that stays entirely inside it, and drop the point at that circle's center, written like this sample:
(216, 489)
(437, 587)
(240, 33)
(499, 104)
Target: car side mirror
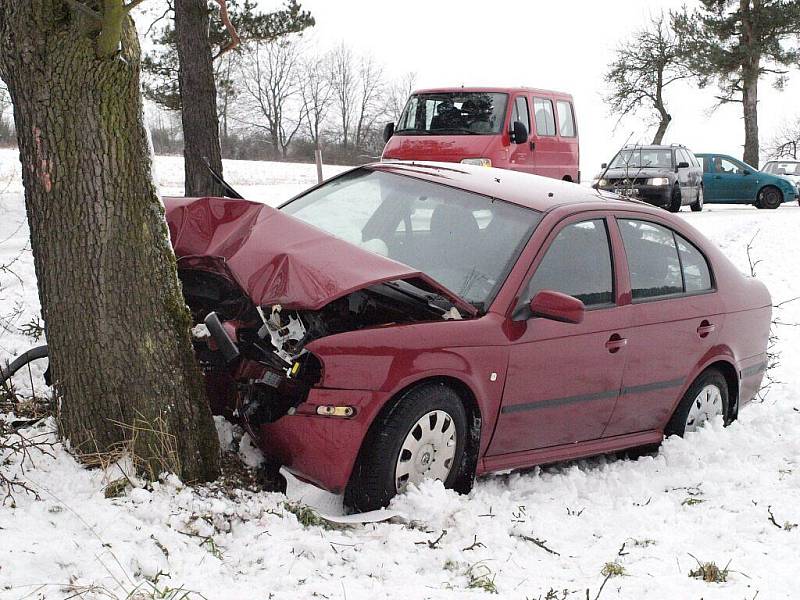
(683, 165)
(388, 131)
(519, 133)
(604, 165)
(745, 172)
(557, 307)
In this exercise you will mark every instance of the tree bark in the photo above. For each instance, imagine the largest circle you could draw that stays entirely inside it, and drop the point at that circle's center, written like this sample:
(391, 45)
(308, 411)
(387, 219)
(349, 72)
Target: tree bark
(198, 98)
(750, 73)
(116, 321)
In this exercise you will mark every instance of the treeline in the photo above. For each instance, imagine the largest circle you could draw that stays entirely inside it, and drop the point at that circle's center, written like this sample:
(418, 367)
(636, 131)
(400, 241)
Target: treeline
(279, 96)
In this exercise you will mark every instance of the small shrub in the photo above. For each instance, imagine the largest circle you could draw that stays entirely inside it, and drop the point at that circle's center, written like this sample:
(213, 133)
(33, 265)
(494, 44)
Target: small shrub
(612, 569)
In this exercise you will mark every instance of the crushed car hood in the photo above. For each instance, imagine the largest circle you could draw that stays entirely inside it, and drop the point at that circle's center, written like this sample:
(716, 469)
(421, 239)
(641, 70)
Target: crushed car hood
(278, 259)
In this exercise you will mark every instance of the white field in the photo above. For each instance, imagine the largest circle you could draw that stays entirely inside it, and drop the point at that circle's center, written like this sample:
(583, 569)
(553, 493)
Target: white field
(708, 496)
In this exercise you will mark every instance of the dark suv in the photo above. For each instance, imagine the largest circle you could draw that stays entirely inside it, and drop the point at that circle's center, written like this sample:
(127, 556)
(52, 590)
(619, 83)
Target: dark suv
(666, 176)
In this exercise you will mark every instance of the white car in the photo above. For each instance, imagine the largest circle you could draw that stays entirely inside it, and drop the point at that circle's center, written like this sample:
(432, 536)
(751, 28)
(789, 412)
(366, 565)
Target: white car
(789, 169)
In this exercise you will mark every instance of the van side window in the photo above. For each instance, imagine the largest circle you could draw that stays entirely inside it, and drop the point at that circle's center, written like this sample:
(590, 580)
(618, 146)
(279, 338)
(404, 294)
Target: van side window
(566, 120)
(577, 263)
(521, 112)
(545, 119)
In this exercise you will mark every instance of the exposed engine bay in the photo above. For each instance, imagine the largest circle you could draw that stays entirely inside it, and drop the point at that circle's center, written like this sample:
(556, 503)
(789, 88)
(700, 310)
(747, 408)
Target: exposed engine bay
(259, 352)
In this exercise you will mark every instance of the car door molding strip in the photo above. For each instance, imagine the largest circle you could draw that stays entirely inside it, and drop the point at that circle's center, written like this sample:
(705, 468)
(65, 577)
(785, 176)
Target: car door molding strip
(635, 389)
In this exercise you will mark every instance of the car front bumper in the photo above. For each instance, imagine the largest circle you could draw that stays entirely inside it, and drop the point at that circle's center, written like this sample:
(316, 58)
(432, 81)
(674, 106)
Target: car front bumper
(319, 449)
(658, 195)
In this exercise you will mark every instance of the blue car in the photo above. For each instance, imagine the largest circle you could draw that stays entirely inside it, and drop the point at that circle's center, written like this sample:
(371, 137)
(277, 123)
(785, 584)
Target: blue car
(727, 180)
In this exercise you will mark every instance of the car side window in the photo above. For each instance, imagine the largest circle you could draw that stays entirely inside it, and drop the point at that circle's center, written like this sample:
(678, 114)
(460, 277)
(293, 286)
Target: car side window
(693, 159)
(521, 112)
(696, 274)
(577, 263)
(566, 120)
(545, 119)
(653, 262)
(723, 165)
(683, 157)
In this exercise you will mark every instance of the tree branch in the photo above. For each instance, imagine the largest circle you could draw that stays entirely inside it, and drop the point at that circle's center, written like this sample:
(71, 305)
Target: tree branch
(226, 20)
(89, 12)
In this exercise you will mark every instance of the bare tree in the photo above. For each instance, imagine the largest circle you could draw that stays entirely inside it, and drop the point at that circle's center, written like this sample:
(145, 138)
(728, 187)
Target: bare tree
(344, 82)
(316, 93)
(370, 87)
(786, 141)
(397, 95)
(272, 89)
(643, 67)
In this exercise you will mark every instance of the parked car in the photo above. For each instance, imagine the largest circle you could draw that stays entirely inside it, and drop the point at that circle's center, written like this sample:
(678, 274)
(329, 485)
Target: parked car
(730, 181)
(790, 169)
(522, 129)
(665, 176)
(405, 321)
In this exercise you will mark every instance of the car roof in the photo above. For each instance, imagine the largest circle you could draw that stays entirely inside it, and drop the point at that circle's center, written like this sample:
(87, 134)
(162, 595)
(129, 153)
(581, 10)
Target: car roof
(497, 90)
(524, 189)
(782, 160)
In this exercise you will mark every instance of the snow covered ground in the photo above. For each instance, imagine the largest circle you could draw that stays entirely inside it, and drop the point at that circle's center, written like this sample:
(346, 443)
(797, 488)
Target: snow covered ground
(727, 495)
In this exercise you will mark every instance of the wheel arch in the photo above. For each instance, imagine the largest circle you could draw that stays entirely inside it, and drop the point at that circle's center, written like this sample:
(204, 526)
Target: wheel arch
(731, 375)
(474, 423)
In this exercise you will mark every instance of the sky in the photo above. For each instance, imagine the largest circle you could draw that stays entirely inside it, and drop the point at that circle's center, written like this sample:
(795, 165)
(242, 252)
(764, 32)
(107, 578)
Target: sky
(564, 45)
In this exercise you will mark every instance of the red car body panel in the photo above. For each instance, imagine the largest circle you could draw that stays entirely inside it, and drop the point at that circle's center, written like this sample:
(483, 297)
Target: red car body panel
(553, 156)
(544, 390)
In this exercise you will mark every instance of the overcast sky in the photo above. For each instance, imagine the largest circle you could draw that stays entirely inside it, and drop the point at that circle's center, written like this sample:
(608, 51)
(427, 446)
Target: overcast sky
(563, 45)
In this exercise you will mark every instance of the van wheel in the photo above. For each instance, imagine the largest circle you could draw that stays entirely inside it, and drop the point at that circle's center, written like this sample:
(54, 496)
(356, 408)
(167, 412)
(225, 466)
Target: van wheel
(423, 437)
(769, 197)
(697, 205)
(705, 399)
(675, 200)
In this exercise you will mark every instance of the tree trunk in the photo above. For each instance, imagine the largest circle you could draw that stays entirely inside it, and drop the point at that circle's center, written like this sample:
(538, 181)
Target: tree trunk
(750, 110)
(198, 98)
(116, 321)
(663, 124)
(750, 72)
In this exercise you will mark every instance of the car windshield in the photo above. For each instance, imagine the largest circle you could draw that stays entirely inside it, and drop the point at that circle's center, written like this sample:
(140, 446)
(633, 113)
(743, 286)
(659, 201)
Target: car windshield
(783, 168)
(465, 241)
(643, 158)
(453, 113)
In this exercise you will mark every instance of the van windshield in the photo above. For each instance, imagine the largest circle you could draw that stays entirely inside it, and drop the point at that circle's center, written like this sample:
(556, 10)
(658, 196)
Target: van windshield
(453, 113)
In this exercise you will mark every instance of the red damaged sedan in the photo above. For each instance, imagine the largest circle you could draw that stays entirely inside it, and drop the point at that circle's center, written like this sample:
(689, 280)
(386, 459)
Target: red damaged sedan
(405, 321)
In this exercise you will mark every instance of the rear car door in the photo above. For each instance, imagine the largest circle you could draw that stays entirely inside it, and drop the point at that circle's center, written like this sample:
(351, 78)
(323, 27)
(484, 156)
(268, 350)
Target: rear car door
(545, 139)
(563, 379)
(675, 315)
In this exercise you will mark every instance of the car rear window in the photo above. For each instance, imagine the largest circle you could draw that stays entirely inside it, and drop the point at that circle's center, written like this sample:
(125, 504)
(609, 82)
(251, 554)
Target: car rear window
(661, 262)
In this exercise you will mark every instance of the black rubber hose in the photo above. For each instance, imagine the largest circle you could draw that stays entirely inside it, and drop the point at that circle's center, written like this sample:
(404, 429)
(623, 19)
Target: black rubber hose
(21, 361)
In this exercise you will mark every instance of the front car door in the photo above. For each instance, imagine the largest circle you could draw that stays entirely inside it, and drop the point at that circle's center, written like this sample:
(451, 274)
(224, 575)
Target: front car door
(521, 155)
(563, 379)
(735, 182)
(675, 319)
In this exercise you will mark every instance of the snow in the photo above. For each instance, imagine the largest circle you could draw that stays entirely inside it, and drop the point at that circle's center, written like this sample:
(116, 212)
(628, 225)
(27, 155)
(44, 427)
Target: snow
(708, 496)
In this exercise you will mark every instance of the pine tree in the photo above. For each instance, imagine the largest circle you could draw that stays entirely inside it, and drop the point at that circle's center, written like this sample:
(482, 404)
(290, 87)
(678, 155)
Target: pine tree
(736, 43)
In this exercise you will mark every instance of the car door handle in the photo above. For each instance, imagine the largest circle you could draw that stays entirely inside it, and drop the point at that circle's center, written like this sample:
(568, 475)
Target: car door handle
(705, 328)
(717, 176)
(615, 343)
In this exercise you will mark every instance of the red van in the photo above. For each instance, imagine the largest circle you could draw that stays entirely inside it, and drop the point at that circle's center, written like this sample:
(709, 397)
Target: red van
(523, 129)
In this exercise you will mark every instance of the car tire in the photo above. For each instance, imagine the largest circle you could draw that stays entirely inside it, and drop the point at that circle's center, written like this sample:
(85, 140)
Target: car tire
(706, 398)
(769, 197)
(675, 200)
(429, 409)
(697, 205)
